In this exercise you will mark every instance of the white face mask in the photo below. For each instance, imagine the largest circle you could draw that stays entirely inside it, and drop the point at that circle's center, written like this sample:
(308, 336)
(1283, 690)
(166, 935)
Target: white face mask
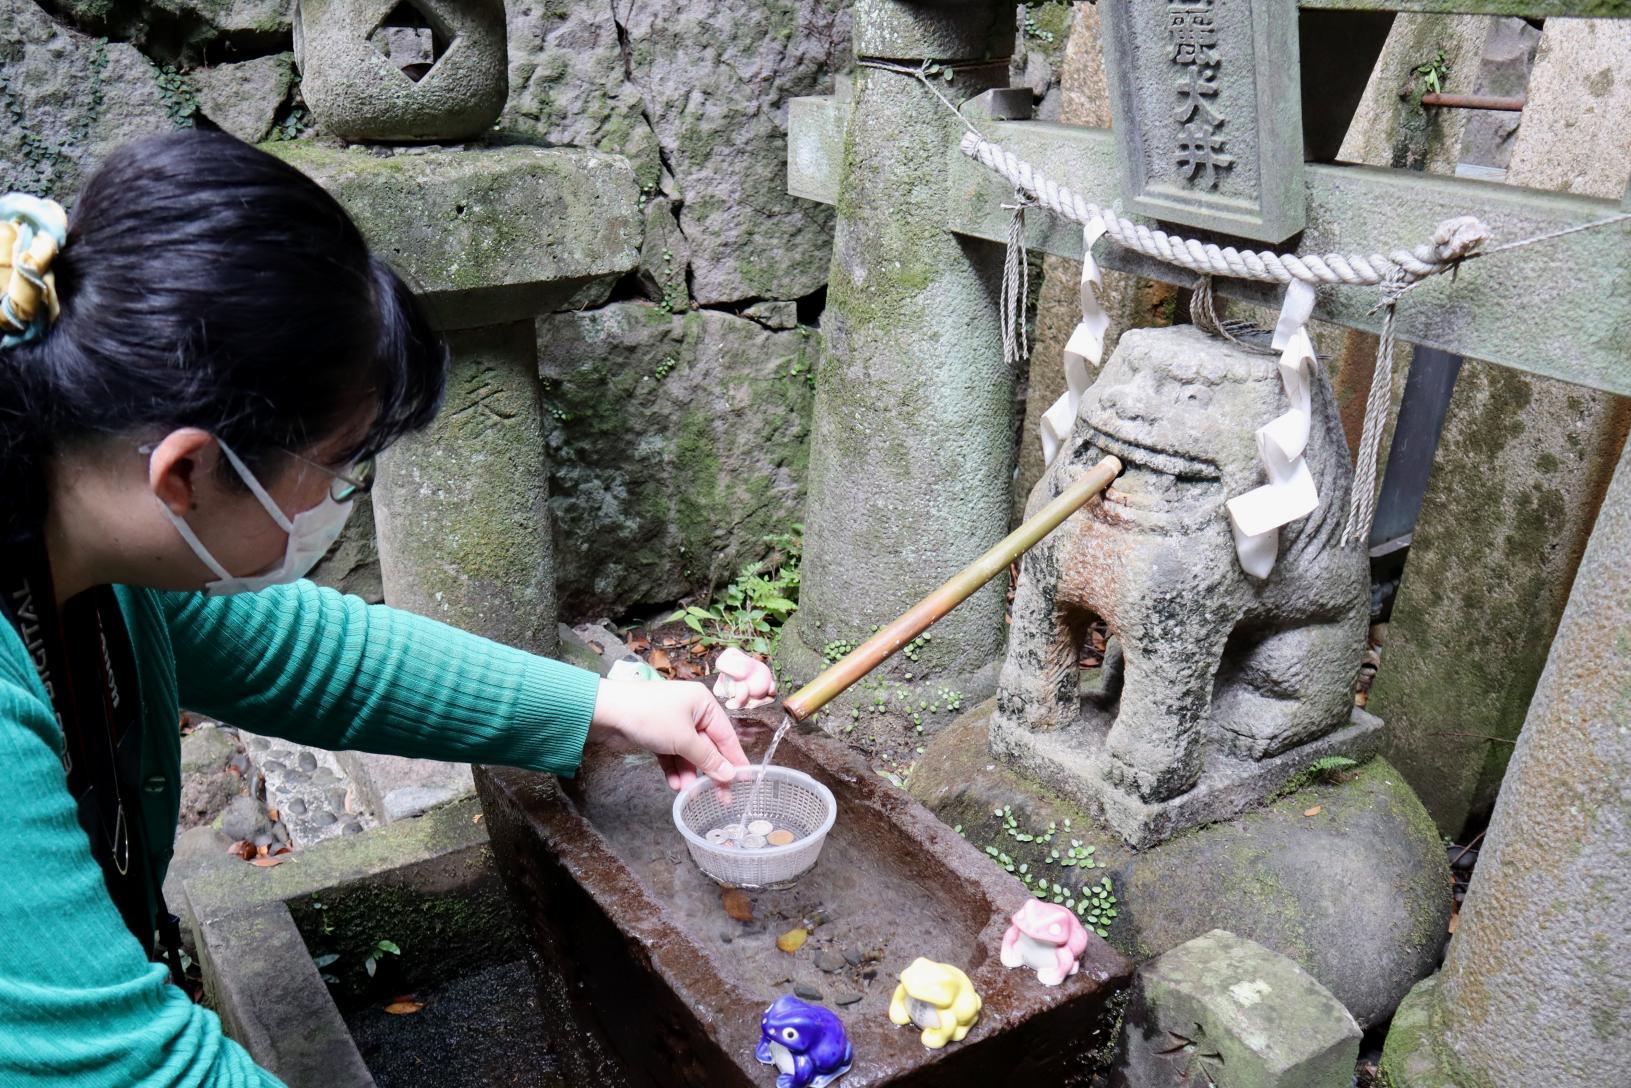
(311, 534)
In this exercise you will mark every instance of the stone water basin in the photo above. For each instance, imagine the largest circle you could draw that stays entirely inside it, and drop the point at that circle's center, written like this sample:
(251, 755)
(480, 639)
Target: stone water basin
(667, 988)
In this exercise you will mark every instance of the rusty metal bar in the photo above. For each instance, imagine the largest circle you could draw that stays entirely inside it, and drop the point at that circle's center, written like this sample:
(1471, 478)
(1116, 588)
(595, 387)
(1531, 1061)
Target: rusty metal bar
(1473, 102)
(957, 589)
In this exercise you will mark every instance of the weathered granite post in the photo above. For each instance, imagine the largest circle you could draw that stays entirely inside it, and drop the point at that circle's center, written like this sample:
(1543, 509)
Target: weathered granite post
(1534, 990)
(911, 452)
(1521, 466)
(491, 238)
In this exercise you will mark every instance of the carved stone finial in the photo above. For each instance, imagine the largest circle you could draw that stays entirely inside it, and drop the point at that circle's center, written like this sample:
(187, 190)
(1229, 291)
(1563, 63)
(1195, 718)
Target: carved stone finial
(402, 69)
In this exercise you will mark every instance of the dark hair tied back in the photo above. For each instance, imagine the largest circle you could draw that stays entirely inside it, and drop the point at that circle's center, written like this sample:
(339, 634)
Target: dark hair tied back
(208, 284)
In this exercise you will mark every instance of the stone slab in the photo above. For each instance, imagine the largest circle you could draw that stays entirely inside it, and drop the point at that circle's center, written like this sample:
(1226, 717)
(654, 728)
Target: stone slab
(273, 1002)
(1071, 761)
(486, 235)
(1240, 1015)
(1561, 309)
(429, 884)
(1207, 108)
(617, 909)
(1347, 877)
(394, 788)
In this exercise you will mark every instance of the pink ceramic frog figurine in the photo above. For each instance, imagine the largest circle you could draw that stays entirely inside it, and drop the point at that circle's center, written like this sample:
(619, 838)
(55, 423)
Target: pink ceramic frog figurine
(744, 682)
(1047, 937)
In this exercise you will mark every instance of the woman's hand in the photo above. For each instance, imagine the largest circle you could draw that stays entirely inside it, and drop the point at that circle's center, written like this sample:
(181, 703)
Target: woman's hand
(680, 721)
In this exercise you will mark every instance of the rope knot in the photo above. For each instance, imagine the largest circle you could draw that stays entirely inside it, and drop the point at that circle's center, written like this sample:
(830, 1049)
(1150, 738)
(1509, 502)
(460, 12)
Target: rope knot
(1457, 239)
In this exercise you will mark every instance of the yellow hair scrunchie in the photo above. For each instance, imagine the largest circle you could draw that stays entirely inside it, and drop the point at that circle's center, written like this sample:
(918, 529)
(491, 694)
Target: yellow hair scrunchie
(32, 231)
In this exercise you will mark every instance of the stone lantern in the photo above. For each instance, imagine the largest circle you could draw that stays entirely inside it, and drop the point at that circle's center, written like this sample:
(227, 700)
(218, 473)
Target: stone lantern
(402, 69)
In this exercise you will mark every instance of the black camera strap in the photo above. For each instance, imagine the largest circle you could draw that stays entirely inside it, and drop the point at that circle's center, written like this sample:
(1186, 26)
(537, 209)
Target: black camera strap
(85, 659)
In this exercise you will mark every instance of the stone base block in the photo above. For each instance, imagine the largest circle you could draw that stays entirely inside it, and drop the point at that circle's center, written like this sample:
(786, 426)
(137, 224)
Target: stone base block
(1345, 874)
(1239, 1015)
(1072, 761)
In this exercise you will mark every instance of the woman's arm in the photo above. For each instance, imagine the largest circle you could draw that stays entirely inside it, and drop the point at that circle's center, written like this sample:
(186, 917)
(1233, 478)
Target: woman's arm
(80, 1005)
(322, 668)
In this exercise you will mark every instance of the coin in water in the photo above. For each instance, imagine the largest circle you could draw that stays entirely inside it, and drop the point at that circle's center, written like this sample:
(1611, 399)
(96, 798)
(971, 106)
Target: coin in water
(733, 831)
(761, 827)
(753, 842)
(779, 837)
(716, 836)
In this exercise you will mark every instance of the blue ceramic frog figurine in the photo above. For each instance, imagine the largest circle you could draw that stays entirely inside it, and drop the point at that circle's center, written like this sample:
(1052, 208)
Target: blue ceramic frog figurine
(806, 1043)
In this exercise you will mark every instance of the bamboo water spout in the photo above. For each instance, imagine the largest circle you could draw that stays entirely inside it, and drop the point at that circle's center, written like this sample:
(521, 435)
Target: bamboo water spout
(958, 588)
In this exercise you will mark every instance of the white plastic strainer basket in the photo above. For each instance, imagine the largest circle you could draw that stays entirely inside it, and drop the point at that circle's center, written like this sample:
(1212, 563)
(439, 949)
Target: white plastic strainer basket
(789, 799)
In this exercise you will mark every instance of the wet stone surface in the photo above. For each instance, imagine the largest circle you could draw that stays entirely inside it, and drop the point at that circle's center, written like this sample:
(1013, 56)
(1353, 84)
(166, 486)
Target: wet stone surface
(634, 923)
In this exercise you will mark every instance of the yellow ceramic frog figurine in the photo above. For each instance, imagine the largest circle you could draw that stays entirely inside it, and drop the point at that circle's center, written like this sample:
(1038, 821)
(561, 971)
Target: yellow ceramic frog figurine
(938, 998)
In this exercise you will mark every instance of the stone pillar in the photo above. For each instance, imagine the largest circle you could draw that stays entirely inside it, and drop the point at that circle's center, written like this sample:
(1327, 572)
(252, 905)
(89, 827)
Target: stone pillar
(462, 508)
(1535, 988)
(490, 238)
(1520, 469)
(911, 454)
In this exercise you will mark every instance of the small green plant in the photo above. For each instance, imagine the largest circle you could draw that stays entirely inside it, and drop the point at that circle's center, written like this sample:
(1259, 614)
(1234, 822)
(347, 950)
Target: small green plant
(381, 949)
(177, 94)
(666, 367)
(838, 649)
(674, 297)
(1433, 74)
(293, 126)
(1326, 770)
(1034, 30)
(325, 925)
(913, 648)
(749, 611)
(323, 963)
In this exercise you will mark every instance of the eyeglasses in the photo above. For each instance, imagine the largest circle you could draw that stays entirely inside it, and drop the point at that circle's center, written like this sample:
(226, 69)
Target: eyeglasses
(357, 479)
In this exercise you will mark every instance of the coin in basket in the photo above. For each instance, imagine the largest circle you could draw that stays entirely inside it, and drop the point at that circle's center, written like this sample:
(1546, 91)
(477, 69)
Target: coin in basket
(716, 836)
(753, 842)
(779, 837)
(734, 831)
(761, 827)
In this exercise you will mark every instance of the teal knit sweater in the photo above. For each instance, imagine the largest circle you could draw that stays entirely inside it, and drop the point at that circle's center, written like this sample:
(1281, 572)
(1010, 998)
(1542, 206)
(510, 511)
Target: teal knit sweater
(79, 1004)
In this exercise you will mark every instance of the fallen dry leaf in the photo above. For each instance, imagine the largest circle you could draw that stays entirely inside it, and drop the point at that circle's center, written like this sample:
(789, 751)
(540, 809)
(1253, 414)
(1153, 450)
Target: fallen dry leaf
(245, 850)
(1361, 698)
(272, 814)
(792, 940)
(1315, 811)
(476, 819)
(737, 904)
(404, 1008)
(595, 646)
(660, 660)
(267, 863)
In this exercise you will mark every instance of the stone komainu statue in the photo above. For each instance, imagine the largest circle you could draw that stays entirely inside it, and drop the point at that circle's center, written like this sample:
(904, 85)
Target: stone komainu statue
(1207, 663)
